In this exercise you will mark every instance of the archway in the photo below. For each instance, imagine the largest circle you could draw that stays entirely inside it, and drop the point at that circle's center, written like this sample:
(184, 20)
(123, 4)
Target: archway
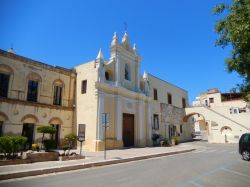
(29, 121)
(108, 75)
(200, 125)
(57, 124)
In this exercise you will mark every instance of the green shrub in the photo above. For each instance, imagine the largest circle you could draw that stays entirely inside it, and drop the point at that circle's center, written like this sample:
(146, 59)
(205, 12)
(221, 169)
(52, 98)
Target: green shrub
(70, 140)
(65, 147)
(164, 142)
(49, 144)
(176, 140)
(10, 145)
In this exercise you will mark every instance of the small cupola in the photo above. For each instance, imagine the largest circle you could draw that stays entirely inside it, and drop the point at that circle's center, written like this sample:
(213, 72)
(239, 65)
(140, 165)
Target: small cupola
(99, 58)
(135, 49)
(145, 76)
(114, 40)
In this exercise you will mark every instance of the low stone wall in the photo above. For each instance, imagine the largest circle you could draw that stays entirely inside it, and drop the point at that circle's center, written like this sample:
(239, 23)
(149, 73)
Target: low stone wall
(42, 157)
(77, 157)
(32, 157)
(14, 162)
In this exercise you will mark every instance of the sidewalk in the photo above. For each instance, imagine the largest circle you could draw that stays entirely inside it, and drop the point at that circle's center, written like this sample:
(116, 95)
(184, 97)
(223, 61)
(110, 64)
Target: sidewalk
(93, 159)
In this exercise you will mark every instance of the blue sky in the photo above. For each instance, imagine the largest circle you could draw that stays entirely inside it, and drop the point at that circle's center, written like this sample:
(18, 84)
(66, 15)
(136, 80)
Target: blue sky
(175, 38)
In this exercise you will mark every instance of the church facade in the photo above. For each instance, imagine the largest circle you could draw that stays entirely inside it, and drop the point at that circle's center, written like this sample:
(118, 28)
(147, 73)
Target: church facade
(135, 106)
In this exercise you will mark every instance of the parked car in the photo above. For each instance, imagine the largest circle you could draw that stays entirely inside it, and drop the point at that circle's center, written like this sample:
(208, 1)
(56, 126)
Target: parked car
(244, 146)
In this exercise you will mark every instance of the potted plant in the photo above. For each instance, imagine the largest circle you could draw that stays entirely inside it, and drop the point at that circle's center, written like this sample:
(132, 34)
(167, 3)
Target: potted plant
(175, 140)
(155, 137)
(35, 147)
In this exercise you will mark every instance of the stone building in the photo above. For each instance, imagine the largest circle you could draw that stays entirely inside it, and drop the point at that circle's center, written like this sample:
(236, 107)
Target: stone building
(34, 94)
(220, 117)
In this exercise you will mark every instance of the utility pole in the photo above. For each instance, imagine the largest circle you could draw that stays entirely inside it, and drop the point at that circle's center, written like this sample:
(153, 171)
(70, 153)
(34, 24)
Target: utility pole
(105, 129)
(105, 124)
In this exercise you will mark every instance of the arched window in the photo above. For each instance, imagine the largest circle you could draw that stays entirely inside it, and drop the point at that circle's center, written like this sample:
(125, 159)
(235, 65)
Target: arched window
(58, 91)
(3, 118)
(107, 77)
(127, 72)
(5, 73)
(226, 130)
(29, 122)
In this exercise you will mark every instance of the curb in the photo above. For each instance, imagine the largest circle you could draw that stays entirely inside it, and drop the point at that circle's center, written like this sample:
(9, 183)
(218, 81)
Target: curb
(89, 165)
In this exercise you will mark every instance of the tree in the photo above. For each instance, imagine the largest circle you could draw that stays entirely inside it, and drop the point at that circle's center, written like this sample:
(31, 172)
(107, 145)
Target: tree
(234, 30)
(46, 130)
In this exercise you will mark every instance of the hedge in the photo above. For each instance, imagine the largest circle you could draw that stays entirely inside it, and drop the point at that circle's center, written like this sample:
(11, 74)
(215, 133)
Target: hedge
(10, 145)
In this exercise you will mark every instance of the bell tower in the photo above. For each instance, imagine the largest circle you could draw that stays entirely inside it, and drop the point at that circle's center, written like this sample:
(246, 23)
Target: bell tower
(127, 63)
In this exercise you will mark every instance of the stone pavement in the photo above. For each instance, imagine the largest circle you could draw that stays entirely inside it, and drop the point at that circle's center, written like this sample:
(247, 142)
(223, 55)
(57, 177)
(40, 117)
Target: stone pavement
(93, 159)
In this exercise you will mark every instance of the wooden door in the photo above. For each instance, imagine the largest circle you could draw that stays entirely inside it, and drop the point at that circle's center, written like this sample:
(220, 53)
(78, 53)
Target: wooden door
(128, 130)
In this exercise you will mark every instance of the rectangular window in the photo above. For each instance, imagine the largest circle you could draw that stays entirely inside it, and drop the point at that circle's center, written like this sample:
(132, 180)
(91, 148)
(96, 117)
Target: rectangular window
(4, 84)
(211, 100)
(183, 103)
(57, 95)
(169, 99)
(84, 86)
(181, 129)
(206, 103)
(155, 94)
(171, 131)
(1, 128)
(156, 122)
(32, 91)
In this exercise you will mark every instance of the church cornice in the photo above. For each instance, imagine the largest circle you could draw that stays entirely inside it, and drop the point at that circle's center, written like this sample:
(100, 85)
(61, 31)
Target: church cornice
(117, 90)
(29, 61)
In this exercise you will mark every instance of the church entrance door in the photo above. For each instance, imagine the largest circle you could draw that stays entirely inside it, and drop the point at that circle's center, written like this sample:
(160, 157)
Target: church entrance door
(128, 130)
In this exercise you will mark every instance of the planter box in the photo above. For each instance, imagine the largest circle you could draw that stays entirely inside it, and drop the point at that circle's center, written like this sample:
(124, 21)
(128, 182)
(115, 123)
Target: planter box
(42, 157)
(14, 162)
(77, 157)
(32, 157)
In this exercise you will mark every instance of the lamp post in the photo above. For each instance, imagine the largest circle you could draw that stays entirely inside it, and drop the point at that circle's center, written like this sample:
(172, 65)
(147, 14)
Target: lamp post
(80, 139)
